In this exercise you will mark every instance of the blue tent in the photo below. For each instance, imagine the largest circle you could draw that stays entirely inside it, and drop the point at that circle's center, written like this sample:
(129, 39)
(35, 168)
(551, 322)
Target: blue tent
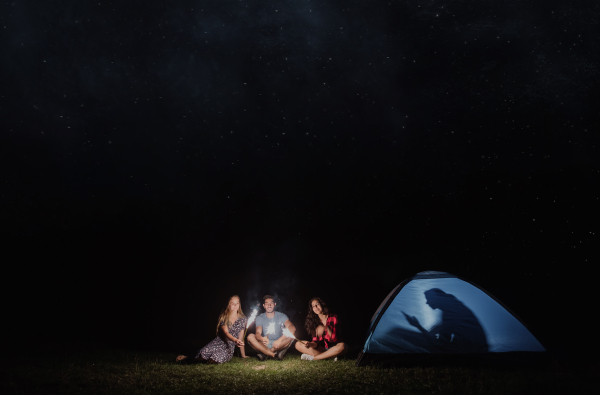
(439, 313)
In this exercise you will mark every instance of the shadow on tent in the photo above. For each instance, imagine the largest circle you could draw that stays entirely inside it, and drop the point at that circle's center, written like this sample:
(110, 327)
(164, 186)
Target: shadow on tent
(436, 317)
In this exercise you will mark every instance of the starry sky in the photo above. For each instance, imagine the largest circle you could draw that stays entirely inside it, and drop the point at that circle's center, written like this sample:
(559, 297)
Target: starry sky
(158, 158)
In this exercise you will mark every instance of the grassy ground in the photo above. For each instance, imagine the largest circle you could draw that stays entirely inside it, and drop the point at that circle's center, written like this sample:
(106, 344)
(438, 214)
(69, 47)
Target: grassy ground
(117, 371)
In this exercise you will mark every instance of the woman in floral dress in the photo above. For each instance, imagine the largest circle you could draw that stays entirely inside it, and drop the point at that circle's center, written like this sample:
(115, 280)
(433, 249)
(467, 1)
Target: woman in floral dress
(230, 333)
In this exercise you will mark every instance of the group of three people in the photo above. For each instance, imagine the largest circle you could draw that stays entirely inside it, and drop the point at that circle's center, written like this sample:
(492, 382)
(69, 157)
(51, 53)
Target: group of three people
(269, 339)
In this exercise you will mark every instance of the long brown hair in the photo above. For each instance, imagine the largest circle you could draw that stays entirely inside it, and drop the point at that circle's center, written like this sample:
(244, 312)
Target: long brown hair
(312, 319)
(224, 317)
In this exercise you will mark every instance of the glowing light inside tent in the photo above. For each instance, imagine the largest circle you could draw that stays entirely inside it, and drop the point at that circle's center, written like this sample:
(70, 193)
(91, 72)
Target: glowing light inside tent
(438, 314)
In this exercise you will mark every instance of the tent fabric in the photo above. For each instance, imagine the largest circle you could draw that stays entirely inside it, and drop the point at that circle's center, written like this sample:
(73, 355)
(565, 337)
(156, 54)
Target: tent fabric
(439, 313)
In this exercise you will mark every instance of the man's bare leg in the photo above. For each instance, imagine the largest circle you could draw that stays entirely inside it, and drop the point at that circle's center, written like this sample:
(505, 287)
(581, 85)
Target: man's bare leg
(278, 346)
(258, 346)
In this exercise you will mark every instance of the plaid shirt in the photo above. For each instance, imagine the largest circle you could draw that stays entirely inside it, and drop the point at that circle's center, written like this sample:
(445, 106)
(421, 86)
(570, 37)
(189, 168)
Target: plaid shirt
(332, 323)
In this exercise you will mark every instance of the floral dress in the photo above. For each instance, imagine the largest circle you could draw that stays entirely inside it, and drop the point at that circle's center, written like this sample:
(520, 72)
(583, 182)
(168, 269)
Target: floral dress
(219, 350)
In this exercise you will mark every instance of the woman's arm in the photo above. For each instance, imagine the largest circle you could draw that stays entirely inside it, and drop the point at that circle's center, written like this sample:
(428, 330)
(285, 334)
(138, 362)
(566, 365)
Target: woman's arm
(228, 335)
(332, 329)
(242, 349)
(414, 322)
(312, 344)
(317, 339)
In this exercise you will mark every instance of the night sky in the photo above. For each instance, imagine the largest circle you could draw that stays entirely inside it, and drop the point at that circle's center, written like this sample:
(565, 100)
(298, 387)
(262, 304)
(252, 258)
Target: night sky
(157, 158)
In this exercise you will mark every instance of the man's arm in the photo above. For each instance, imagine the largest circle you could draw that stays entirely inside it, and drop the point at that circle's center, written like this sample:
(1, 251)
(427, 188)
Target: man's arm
(288, 324)
(259, 333)
(262, 339)
(283, 337)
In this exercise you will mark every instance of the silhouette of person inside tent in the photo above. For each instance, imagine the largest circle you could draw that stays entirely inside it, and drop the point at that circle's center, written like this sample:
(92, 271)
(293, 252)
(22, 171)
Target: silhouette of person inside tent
(459, 330)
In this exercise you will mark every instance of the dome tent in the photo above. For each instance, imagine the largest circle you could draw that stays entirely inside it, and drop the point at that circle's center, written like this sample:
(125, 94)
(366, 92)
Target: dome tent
(436, 313)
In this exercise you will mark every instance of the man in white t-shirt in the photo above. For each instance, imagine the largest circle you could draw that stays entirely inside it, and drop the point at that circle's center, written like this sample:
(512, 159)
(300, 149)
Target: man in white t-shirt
(269, 339)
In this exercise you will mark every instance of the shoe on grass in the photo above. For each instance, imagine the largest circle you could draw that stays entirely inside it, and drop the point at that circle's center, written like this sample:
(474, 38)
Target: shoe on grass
(281, 353)
(307, 357)
(261, 357)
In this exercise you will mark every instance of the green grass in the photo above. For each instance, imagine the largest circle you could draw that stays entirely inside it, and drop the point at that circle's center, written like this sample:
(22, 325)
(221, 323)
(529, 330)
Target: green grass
(118, 371)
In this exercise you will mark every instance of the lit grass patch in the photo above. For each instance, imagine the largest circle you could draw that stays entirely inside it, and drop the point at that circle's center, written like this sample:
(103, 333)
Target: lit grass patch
(119, 372)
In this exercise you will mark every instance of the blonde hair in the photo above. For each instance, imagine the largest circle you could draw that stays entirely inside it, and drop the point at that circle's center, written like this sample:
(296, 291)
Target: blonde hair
(224, 317)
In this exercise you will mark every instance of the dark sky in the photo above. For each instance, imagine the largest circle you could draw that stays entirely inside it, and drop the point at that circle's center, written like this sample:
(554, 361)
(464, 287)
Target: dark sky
(159, 158)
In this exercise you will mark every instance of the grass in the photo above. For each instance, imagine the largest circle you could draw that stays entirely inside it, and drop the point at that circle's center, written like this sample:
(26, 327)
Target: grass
(102, 371)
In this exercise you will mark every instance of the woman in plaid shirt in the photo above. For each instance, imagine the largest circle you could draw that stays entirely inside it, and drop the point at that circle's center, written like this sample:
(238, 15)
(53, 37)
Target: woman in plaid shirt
(324, 329)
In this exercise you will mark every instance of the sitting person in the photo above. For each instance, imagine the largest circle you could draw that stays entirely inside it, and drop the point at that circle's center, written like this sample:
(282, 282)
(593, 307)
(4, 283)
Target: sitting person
(323, 327)
(269, 340)
(230, 333)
